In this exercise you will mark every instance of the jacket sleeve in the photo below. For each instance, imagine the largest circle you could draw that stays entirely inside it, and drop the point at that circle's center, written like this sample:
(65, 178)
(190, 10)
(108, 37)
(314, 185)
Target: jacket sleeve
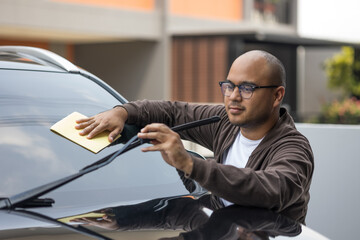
(144, 112)
(282, 181)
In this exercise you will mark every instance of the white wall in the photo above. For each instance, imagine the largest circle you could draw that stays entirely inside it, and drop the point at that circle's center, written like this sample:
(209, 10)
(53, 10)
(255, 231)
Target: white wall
(335, 191)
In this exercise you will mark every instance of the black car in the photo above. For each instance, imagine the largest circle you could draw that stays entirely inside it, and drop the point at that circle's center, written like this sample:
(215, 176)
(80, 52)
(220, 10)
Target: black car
(51, 188)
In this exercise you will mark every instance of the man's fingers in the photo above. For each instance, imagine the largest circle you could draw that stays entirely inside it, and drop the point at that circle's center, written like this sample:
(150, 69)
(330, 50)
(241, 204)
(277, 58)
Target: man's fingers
(113, 134)
(94, 130)
(156, 131)
(83, 123)
(152, 148)
(112, 120)
(87, 129)
(155, 127)
(83, 120)
(148, 135)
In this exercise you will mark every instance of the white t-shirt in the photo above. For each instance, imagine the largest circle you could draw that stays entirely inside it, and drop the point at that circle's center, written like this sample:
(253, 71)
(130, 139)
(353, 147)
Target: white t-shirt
(239, 153)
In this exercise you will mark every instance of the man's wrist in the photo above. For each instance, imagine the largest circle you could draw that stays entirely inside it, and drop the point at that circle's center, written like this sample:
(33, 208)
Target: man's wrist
(188, 167)
(122, 112)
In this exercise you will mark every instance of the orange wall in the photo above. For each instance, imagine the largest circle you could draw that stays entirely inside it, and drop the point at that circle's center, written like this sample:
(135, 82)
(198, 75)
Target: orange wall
(215, 9)
(132, 4)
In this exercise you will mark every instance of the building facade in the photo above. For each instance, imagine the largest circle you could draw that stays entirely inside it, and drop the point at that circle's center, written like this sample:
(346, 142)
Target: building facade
(166, 49)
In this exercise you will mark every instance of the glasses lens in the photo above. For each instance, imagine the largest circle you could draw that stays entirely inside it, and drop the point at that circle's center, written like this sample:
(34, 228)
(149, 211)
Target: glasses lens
(246, 91)
(227, 89)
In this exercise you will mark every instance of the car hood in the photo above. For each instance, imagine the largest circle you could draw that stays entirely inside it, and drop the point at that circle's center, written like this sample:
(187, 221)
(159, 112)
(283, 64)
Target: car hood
(183, 217)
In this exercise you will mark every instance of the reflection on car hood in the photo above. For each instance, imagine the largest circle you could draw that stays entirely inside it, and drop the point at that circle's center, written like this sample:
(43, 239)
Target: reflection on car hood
(165, 218)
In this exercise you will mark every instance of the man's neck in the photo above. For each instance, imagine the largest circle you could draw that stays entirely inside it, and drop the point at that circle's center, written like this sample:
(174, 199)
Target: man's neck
(258, 132)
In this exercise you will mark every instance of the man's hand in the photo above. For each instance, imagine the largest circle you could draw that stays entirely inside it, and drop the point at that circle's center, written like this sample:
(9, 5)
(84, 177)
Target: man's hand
(112, 120)
(169, 144)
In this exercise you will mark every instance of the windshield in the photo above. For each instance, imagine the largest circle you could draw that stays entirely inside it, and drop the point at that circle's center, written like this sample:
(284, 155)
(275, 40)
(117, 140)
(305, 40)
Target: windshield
(32, 155)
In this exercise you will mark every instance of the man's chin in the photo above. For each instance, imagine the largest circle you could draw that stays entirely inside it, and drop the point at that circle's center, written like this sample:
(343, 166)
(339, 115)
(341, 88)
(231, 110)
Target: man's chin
(237, 122)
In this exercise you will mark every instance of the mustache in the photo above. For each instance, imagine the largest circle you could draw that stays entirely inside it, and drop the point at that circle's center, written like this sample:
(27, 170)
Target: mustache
(236, 105)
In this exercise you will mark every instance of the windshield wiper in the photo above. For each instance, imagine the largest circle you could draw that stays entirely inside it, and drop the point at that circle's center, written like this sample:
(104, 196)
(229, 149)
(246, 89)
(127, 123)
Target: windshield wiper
(29, 197)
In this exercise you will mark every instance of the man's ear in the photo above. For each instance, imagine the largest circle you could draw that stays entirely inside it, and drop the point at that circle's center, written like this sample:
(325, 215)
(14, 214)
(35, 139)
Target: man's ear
(278, 96)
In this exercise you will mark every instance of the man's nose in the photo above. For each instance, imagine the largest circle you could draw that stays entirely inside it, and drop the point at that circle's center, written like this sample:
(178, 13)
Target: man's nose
(236, 95)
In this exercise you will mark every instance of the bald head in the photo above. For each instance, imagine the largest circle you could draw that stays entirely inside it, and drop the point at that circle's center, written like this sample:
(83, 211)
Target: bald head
(274, 70)
(258, 111)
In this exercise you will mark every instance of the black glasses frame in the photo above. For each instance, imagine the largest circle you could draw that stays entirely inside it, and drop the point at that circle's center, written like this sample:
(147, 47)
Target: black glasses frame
(241, 87)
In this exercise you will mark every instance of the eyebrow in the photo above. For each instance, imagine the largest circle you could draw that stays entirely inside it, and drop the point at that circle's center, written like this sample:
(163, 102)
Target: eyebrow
(245, 82)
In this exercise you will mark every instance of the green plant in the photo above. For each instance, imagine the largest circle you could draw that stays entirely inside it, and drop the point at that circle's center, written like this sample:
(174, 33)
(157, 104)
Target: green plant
(340, 71)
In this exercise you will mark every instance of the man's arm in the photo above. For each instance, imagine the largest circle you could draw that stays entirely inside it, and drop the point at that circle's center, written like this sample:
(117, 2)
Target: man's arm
(171, 114)
(284, 179)
(141, 113)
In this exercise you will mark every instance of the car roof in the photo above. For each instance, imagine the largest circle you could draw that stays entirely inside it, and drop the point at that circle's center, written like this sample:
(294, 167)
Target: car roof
(31, 58)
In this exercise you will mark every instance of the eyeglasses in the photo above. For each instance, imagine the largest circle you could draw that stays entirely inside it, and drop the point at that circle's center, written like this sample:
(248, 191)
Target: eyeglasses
(246, 89)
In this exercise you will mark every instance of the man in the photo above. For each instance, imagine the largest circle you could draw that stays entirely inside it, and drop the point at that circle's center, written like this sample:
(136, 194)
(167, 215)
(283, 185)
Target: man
(260, 158)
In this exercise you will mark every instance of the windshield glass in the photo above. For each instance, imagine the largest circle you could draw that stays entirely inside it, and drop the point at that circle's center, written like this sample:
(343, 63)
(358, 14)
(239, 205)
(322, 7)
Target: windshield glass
(32, 155)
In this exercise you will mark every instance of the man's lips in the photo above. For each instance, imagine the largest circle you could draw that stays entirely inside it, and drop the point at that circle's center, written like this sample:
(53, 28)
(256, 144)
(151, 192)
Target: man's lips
(236, 109)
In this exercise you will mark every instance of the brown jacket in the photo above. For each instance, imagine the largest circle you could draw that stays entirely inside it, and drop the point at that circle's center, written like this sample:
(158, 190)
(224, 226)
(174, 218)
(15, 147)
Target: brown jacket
(277, 175)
